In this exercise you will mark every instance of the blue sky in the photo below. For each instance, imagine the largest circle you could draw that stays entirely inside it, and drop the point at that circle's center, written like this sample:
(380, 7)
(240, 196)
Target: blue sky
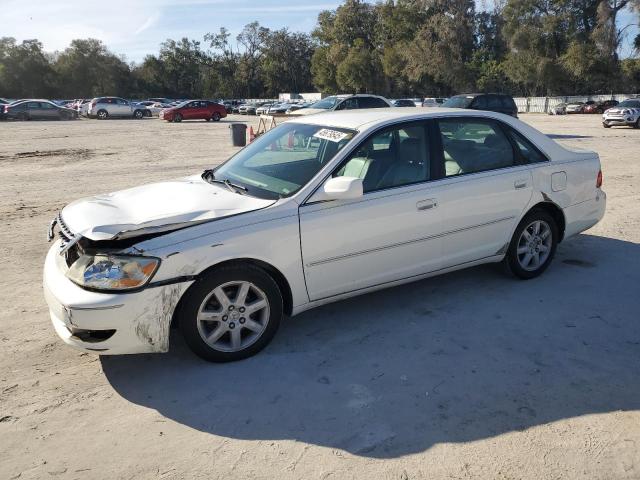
(135, 28)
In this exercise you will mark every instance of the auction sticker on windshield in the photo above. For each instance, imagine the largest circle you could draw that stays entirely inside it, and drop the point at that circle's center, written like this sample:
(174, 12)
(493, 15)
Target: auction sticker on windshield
(331, 135)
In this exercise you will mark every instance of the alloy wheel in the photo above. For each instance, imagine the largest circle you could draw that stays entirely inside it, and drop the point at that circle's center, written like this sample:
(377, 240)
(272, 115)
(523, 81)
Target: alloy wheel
(233, 316)
(534, 245)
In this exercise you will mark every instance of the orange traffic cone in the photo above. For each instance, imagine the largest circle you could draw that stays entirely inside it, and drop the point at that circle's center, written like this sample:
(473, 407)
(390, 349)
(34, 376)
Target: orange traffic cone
(252, 135)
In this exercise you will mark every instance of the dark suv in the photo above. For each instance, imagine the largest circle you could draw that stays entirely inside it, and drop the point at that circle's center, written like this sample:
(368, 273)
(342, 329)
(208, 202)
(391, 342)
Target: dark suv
(494, 102)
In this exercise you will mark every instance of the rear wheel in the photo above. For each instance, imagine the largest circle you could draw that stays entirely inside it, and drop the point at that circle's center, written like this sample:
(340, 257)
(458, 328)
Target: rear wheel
(177, 118)
(23, 116)
(102, 115)
(231, 313)
(533, 245)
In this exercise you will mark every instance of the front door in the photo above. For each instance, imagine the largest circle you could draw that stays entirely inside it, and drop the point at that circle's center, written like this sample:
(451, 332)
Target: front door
(485, 188)
(389, 233)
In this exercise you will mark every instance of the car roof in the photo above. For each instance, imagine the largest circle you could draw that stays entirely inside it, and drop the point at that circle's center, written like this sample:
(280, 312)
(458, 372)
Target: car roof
(364, 120)
(361, 118)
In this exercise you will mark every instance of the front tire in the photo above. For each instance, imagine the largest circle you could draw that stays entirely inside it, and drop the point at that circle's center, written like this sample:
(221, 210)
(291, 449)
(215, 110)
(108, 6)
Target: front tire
(533, 245)
(606, 125)
(177, 118)
(231, 313)
(138, 114)
(215, 117)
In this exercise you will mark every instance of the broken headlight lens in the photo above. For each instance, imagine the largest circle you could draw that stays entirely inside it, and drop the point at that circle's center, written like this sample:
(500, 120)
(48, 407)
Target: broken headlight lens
(112, 272)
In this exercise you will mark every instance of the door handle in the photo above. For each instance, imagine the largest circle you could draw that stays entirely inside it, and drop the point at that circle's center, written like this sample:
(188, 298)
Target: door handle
(518, 184)
(428, 204)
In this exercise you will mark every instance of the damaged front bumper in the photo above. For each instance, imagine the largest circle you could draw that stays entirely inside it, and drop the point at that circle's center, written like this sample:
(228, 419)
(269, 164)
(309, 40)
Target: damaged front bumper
(109, 323)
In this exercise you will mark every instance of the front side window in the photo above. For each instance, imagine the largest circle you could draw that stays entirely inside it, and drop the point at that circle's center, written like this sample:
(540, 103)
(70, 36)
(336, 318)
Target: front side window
(284, 159)
(473, 145)
(394, 157)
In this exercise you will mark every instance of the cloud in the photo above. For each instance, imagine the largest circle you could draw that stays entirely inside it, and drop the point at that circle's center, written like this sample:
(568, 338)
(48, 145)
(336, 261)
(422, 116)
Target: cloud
(150, 22)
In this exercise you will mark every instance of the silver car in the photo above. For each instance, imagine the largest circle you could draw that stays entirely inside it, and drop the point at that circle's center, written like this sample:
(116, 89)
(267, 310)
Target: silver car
(105, 107)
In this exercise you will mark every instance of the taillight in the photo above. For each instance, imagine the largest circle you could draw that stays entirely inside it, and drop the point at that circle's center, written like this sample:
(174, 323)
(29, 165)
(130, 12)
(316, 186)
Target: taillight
(93, 104)
(599, 179)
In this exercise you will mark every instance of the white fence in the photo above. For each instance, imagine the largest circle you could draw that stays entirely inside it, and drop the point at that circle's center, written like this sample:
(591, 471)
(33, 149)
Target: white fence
(544, 104)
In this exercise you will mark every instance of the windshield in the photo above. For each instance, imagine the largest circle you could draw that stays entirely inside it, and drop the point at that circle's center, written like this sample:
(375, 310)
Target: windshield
(629, 104)
(459, 101)
(326, 103)
(278, 163)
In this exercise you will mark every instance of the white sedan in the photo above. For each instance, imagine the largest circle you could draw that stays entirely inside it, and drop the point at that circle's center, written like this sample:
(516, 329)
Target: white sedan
(319, 209)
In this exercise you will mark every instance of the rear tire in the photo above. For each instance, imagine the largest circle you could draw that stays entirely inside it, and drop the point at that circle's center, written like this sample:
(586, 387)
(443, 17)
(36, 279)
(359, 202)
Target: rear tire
(533, 245)
(231, 313)
(102, 115)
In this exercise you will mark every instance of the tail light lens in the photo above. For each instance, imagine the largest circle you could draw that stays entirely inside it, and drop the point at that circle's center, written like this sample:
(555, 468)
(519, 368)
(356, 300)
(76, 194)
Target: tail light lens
(599, 179)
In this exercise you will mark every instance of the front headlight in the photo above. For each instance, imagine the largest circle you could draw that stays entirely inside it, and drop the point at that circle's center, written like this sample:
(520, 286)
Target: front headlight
(112, 272)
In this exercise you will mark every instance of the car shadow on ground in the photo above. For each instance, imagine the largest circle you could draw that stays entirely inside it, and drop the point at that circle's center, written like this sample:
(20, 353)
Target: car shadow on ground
(454, 358)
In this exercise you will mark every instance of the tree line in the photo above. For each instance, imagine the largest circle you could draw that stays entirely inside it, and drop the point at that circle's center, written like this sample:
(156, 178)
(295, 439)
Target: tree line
(394, 48)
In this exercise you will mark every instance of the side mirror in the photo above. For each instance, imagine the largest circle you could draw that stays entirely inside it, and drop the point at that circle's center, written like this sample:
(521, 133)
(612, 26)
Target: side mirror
(339, 188)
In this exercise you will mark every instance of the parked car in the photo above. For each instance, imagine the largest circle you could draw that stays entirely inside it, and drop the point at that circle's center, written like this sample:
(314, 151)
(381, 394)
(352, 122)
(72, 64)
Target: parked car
(625, 113)
(3, 102)
(248, 108)
(160, 100)
(106, 107)
(280, 108)
(599, 107)
(433, 102)
(493, 102)
(559, 109)
(156, 108)
(403, 102)
(37, 109)
(194, 110)
(575, 107)
(264, 108)
(241, 245)
(343, 102)
(230, 105)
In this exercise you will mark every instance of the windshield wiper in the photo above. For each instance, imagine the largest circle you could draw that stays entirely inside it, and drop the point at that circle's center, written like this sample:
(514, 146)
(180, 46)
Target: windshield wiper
(209, 177)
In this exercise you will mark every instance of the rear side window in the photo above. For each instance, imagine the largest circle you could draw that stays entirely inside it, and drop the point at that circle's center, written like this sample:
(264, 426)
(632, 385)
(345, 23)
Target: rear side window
(508, 102)
(530, 153)
(34, 105)
(480, 103)
(474, 145)
(494, 103)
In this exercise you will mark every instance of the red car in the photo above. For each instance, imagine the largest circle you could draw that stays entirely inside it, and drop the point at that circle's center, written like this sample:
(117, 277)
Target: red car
(194, 110)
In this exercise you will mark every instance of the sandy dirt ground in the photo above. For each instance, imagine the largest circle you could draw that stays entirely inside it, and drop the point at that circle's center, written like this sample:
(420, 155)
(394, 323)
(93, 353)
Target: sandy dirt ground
(467, 375)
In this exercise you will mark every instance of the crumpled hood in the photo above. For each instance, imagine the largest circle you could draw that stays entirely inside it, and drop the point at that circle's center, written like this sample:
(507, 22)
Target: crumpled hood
(156, 207)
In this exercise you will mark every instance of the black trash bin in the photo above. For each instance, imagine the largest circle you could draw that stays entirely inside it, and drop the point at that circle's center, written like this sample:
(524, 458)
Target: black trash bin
(238, 134)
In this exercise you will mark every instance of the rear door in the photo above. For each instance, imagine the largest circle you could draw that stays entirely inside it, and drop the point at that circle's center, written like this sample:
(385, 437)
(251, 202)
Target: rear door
(487, 187)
